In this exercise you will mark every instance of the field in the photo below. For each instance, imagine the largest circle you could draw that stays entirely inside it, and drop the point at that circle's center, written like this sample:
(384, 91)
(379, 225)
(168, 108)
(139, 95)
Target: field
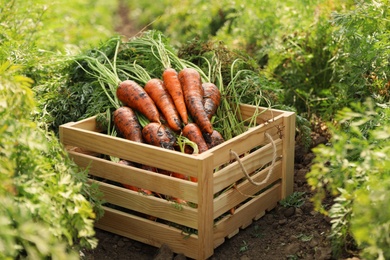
(325, 60)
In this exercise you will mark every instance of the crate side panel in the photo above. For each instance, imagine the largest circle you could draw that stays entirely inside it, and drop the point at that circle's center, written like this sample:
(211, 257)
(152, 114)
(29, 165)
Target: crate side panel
(148, 232)
(246, 213)
(232, 198)
(135, 152)
(244, 142)
(149, 205)
(137, 177)
(252, 162)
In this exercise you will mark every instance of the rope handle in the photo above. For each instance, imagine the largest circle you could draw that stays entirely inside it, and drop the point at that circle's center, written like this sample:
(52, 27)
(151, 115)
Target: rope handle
(271, 166)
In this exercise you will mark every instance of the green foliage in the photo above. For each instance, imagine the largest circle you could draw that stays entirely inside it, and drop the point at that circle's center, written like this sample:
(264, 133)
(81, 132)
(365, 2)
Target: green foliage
(47, 208)
(244, 247)
(72, 26)
(370, 224)
(357, 158)
(75, 94)
(361, 63)
(38, 179)
(22, 236)
(295, 200)
(41, 27)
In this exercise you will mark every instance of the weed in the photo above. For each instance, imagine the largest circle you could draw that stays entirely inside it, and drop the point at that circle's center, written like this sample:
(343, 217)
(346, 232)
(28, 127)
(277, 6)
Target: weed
(256, 232)
(305, 238)
(244, 247)
(295, 200)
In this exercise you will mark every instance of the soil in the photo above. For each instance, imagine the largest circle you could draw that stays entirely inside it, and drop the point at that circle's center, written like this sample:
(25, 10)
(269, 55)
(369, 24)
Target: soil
(282, 233)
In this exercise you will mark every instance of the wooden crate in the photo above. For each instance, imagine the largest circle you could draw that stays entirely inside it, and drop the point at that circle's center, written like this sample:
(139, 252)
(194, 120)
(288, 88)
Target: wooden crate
(222, 186)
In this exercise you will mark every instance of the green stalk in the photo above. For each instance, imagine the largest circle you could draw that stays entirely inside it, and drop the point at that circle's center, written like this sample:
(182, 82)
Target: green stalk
(228, 113)
(106, 75)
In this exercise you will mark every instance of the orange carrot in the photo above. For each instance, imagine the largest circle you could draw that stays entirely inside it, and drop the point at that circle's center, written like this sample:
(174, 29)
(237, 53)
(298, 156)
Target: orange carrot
(179, 175)
(211, 98)
(172, 83)
(158, 135)
(159, 94)
(127, 124)
(134, 96)
(179, 201)
(213, 139)
(193, 95)
(193, 133)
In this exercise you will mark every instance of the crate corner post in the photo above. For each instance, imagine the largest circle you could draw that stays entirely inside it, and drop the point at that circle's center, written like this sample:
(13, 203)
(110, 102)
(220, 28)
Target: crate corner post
(288, 154)
(206, 208)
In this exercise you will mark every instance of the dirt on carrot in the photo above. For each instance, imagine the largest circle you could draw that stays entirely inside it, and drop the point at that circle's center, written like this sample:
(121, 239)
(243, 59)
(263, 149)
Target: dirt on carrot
(211, 98)
(193, 95)
(213, 139)
(127, 124)
(134, 96)
(158, 135)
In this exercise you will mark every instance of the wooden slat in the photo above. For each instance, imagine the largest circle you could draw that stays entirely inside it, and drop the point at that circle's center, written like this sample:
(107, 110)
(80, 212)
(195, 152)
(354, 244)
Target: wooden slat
(254, 161)
(86, 124)
(149, 205)
(149, 232)
(230, 223)
(136, 152)
(264, 114)
(244, 142)
(137, 177)
(244, 190)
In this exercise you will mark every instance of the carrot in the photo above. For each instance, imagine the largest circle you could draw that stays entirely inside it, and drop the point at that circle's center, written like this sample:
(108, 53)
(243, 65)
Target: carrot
(193, 96)
(134, 96)
(179, 201)
(158, 135)
(159, 94)
(213, 139)
(172, 83)
(211, 98)
(127, 124)
(194, 134)
(179, 175)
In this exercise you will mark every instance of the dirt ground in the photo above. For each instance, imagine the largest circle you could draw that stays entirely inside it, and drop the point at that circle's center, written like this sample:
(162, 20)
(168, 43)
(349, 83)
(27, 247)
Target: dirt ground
(282, 233)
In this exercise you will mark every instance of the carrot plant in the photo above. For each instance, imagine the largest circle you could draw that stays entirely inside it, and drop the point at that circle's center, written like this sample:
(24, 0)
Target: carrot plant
(350, 169)
(357, 158)
(43, 193)
(47, 208)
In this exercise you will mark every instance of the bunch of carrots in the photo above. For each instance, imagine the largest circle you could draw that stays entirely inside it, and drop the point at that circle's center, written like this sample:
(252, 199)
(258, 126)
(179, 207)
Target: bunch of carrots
(178, 105)
(174, 111)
